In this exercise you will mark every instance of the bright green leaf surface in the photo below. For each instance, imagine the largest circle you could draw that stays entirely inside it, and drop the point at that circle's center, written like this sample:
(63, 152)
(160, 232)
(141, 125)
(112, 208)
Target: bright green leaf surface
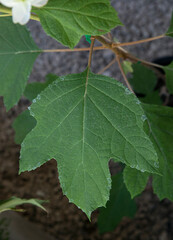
(160, 121)
(143, 80)
(169, 77)
(11, 203)
(67, 21)
(16, 60)
(135, 180)
(33, 89)
(119, 205)
(22, 125)
(83, 122)
(170, 29)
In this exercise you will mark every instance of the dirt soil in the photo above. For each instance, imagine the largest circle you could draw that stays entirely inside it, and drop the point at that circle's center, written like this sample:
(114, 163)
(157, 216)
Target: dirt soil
(153, 221)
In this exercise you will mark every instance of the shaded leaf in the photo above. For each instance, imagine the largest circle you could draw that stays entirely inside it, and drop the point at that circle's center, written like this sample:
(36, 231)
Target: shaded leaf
(169, 33)
(11, 203)
(119, 205)
(17, 55)
(169, 77)
(33, 89)
(135, 180)
(160, 122)
(82, 122)
(22, 125)
(67, 21)
(152, 98)
(144, 79)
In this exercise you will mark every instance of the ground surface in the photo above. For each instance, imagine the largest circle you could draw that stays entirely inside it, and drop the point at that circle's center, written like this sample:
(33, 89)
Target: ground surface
(154, 219)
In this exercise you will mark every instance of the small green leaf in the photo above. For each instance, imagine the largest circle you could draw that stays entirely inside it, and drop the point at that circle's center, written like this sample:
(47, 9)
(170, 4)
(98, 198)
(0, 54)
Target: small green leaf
(169, 77)
(127, 67)
(160, 123)
(11, 203)
(135, 180)
(83, 121)
(144, 80)
(88, 38)
(33, 89)
(67, 21)
(119, 205)
(17, 55)
(169, 33)
(22, 125)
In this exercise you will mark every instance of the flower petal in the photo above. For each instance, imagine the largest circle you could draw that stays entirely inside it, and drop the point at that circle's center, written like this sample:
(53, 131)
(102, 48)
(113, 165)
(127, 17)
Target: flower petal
(8, 3)
(38, 3)
(21, 12)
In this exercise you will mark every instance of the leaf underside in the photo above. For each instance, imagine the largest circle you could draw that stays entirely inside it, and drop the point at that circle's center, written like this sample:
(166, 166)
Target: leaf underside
(82, 123)
(11, 203)
(67, 21)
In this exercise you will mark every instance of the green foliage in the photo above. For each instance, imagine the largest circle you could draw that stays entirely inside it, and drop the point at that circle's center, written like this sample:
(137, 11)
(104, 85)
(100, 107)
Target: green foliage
(11, 203)
(169, 77)
(160, 124)
(170, 29)
(67, 21)
(152, 98)
(33, 89)
(135, 180)
(16, 60)
(119, 205)
(82, 122)
(127, 67)
(22, 125)
(144, 80)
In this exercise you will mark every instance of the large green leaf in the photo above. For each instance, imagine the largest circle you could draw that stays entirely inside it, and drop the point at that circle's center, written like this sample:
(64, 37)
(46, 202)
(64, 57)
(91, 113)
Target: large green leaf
(135, 180)
(82, 122)
(17, 55)
(169, 77)
(144, 79)
(11, 203)
(67, 21)
(119, 205)
(160, 121)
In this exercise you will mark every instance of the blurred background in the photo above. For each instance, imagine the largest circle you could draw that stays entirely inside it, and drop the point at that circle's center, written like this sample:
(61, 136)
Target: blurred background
(154, 219)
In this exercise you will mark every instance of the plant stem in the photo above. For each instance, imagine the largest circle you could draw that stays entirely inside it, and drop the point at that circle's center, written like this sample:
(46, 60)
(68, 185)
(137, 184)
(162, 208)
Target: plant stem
(107, 66)
(4, 9)
(73, 50)
(138, 42)
(6, 15)
(123, 74)
(89, 63)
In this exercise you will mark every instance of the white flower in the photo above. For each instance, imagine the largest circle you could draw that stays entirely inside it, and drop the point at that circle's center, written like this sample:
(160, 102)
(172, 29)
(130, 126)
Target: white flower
(21, 9)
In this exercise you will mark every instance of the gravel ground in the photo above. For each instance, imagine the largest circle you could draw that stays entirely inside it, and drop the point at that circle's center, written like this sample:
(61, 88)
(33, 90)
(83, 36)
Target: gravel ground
(154, 219)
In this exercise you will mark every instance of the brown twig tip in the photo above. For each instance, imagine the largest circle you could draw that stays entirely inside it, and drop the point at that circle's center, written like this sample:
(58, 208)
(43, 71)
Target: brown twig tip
(123, 74)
